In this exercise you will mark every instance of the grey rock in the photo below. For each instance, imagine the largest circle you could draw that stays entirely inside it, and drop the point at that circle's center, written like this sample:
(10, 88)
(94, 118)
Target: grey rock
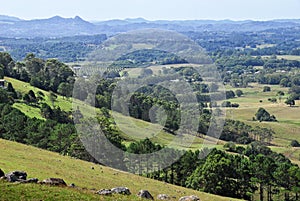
(189, 198)
(104, 192)
(72, 185)
(145, 194)
(163, 197)
(16, 176)
(31, 180)
(121, 190)
(1, 173)
(54, 182)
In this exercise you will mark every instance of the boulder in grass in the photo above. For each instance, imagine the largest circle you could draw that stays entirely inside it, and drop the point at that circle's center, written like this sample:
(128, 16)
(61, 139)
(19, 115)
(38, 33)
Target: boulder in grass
(104, 192)
(31, 180)
(163, 197)
(1, 173)
(16, 176)
(72, 185)
(53, 182)
(145, 194)
(121, 190)
(189, 198)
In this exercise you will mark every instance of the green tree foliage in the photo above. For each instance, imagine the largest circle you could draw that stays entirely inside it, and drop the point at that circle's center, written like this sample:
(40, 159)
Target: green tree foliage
(290, 101)
(65, 89)
(218, 176)
(11, 91)
(263, 168)
(239, 93)
(266, 89)
(6, 63)
(4, 96)
(143, 147)
(263, 115)
(1, 72)
(230, 94)
(295, 143)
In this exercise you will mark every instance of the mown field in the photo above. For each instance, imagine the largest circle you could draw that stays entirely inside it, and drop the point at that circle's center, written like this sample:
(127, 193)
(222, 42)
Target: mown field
(286, 129)
(44, 164)
(288, 126)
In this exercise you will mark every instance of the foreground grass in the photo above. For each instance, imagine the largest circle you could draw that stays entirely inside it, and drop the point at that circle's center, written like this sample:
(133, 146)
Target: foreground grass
(44, 164)
(11, 191)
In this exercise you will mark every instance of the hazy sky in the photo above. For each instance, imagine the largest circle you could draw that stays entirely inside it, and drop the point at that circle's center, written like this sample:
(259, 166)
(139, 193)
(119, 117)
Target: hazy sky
(153, 9)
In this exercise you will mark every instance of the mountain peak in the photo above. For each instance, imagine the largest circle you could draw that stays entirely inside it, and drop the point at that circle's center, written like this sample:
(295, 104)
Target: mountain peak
(77, 18)
(57, 17)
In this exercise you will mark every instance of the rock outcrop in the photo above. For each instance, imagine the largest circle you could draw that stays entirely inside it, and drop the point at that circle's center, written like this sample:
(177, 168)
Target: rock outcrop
(145, 194)
(163, 197)
(104, 192)
(53, 182)
(189, 198)
(121, 190)
(16, 176)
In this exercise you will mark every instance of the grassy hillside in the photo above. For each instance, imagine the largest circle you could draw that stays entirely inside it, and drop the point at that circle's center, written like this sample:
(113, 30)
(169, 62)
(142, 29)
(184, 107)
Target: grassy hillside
(286, 129)
(24, 87)
(44, 164)
(135, 127)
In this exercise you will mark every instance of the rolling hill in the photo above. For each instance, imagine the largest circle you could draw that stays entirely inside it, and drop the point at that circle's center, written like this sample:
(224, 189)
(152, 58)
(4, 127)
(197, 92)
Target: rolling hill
(13, 27)
(88, 177)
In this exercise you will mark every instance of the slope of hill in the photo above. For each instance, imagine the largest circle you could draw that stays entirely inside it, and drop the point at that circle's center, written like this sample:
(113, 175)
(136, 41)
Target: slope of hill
(8, 19)
(154, 131)
(44, 164)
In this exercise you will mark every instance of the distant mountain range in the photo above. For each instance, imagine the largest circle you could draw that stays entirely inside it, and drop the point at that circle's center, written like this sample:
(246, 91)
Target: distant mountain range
(60, 27)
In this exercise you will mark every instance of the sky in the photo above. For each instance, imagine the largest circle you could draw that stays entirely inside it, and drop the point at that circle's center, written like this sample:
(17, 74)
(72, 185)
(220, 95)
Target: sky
(98, 10)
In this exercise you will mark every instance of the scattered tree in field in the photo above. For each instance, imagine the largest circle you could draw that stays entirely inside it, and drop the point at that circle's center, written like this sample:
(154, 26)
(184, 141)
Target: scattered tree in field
(266, 89)
(239, 93)
(280, 93)
(290, 101)
(263, 115)
(295, 143)
(273, 100)
(229, 104)
(230, 94)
